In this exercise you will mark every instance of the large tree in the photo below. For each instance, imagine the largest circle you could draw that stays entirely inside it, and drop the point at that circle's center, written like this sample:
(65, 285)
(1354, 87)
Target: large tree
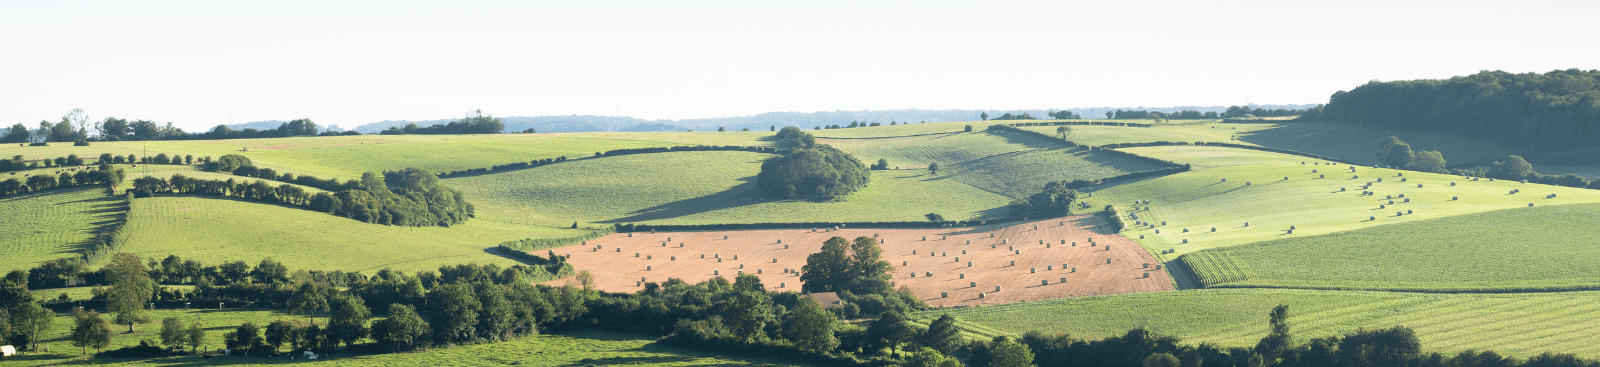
(90, 331)
(889, 331)
(309, 297)
(1428, 161)
(1005, 352)
(30, 321)
(828, 269)
(131, 288)
(16, 134)
(942, 335)
(349, 320)
(817, 173)
(1395, 153)
(1278, 342)
(402, 330)
(810, 327)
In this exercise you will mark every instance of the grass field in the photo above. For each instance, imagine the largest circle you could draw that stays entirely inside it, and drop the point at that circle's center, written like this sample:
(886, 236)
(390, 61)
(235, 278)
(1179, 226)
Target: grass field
(1024, 173)
(1201, 157)
(215, 230)
(1187, 131)
(1540, 248)
(1510, 324)
(702, 188)
(945, 149)
(1199, 201)
(52, 224)
(1359, 144)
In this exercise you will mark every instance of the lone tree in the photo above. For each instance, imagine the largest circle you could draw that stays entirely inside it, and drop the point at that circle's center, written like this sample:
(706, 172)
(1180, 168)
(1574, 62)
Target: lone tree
(985, 117)
(933, 168)
(1063, 131)
(1513, 168)
(130, 289)
(1276, 344)
(1395, 153)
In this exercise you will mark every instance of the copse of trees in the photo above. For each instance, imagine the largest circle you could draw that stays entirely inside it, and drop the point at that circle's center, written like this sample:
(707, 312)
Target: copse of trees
(409, 197)
(810, 171)
(1054, 200)
(1551, 116)
(472, 124)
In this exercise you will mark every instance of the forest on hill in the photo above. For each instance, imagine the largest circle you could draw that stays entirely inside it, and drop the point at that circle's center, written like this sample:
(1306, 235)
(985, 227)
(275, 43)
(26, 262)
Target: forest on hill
(1554, 117)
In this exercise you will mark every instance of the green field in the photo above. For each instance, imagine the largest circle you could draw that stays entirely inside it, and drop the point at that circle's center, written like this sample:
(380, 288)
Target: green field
(1199, 201)
(1025, 173)
(1511, 324)
(215, 230)
(945, 149)
(1201, 157)
(52, 224)
(701, 188)
(1359, 144)
(1185, 131)
(1539, 248)
(576, 348)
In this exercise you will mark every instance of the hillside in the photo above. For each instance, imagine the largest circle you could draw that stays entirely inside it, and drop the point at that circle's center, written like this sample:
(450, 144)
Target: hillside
(49, 225)
(1547, 247)
(1510, 324)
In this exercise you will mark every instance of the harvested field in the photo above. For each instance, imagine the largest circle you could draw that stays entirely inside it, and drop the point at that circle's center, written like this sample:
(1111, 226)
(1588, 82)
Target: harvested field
(618, 262)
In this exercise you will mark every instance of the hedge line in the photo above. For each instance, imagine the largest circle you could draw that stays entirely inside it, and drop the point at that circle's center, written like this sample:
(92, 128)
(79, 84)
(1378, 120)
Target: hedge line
(1227, 145)
(106, 242)
(609, 153)
(1082, 123)
(1115, 217)
(630, 227)
(555, 265)
(532, 244)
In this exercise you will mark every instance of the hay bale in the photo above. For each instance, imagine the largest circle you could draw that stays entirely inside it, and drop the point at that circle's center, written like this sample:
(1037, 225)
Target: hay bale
(716, 272)
(1108, 260)
(997, 288)
(1158, 266)
(972, 284)
(635, 254)
(1033, 270)
(944, 294)
(1147, 274)
(1049, 267)
(1074, 270)
(913, 274)
(1372, 218)
(774, 260)
(1530, 204)
(648, 257)
(1063, 279)
(1044, 282)
(1141, 236)
(1408, 200)
(1013, 263)
(963, 252)
(1408, 211)
(1185, 240)
(980, 295)
(735, 257)
(913, 252)
(646, 268)
(1146, 266)
(674, 258)
(1455, 198)
(1213, 229)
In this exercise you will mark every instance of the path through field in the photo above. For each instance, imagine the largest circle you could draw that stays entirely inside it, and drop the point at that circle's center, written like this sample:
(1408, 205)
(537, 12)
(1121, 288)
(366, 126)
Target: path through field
(1056, 258)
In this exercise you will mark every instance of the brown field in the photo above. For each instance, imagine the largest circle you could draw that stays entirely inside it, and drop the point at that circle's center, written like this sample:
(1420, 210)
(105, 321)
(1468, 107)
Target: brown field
(622, 260)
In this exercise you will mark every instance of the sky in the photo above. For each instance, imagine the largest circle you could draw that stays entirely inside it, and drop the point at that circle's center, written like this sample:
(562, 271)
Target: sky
(202, 63)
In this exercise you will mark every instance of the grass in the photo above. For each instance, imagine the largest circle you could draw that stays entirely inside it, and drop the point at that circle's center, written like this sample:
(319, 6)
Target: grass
(1522, 249)
(1359, 144)
(216, 322)
(52, 224)
(215, 230)
(1511, 324)
(1188, 131)
(1199, 201)
(702, 188)
(945, 149)
(1024, 173)
(1201, 157)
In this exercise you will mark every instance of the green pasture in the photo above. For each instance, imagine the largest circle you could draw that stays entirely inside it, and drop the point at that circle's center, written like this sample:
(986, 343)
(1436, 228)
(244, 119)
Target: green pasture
(47, 225)
(945, 149)
(1522, 325)
(1359, 144)
(702, 188)
(216, 230)
(1186, 131)
(216, 322)
(1023, 173)
(1199, 201)
(1200, 157)
(1547, 247)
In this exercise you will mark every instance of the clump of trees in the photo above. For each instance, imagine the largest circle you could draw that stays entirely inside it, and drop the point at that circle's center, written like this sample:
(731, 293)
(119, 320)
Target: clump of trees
(1055, 199)
(409, 197)
(89, 176)
(810, 171)
(1398, 154)
(471, 124)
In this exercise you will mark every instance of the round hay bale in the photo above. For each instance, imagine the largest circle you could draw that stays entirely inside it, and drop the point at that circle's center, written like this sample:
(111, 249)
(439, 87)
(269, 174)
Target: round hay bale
(1372, 218)
(1213, 229)
(944, 294)
(1033, 270)
(980, 295)
(997, 288)
(716, 272)
(1074, 270)
(1530, 204)
(972, 284)
(1455, 198)
(1185, 240)
(969, 264)
(1013, 263)
(1408, 211)
(1044, 282)
(1063, 279)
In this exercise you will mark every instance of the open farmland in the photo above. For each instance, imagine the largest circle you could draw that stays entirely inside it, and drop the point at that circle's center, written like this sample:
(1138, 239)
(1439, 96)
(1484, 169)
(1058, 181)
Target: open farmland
(1183, 131)
(945, 149)
(701, 188)
(1548, 247)
(1200, 200)
(1021, 174)
(1520, 324)
(1200, 157)
(1359, 144)
(52, 224)
(934, 263)
(303, 239)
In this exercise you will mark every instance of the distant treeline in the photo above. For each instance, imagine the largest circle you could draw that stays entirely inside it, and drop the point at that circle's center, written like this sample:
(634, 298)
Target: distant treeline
(409, 197)
(478, 124)
(1554, 117)
(610, 153)
(1076, 123)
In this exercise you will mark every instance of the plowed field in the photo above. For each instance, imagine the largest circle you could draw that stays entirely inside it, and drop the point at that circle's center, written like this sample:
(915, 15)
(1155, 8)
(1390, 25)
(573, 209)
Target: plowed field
(1056, 258)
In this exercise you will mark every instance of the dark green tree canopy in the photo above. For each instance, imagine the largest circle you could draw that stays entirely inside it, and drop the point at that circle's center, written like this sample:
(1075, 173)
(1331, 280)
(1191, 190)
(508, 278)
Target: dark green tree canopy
(817, 173)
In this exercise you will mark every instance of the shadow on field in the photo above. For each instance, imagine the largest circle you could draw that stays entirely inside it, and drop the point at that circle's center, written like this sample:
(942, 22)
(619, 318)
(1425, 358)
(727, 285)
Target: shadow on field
(737, 196)
(109, 212)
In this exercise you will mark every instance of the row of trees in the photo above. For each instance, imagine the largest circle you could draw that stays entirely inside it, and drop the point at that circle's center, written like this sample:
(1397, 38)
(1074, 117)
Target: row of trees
(409, 197)
(472, 124)
(1554, 117)
(101, 176)
(1396, 153)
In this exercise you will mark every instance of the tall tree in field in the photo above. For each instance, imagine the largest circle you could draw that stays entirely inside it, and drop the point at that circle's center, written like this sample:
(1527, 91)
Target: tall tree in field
(349, 320)
(131, 288)
(748, 310)
(933, 168)
(984, 116)
(827, 270)
(869, 273)
(1063, 131)
(277, 332)
(810, 327)
(196, 337)
(889, 330)
(30, 321)
(402, 329)
(1277, 343)
(1428, 161)
(172, 333)
(90, 331)
(309, 297)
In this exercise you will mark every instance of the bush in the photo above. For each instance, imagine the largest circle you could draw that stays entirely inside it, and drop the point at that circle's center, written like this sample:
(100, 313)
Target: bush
(228, 163)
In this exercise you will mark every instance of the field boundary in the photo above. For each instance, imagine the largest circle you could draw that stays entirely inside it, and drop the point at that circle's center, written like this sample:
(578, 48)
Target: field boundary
(509, 167)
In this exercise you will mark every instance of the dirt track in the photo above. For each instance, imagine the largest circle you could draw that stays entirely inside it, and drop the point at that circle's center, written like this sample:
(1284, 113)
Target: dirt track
(622, 261)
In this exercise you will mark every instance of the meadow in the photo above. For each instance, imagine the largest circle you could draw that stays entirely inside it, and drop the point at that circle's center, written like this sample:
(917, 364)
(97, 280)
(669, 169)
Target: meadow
(216, 230)
(52, 224)
(1193, 203)
(1520, 324)
(1545, 247)
(946, 149)
(702, 188)
(1025, 173)
(1176, 131)
(1359, 144)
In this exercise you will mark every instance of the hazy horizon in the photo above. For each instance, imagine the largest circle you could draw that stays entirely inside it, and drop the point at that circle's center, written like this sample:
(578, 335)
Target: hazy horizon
(353, 63)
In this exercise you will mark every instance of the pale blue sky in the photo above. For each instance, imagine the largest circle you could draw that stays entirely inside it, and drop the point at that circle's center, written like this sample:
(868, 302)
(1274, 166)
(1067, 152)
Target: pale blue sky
(350, 63)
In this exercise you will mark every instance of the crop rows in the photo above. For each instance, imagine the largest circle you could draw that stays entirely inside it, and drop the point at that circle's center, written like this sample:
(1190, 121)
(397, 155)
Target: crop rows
(51, 224)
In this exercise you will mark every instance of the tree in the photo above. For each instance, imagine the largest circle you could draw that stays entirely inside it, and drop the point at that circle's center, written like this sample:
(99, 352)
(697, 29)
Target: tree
(1394, 152)
(246, 337)
(810, 327)
(402, 329)
(309, 297)
(228, 163)
(942, 335)
(792, 137)
(30, 321)
(933, 168)
(16, 134)
(1161, 360)
(969, 128)
(984, 116)
(818, 173)
(1428, 161)
(349, 320)
(924, 357)
(270, 271)
(869, 273)
(1384, 347)
(749, 308)
(1513, 168)
(1063, 131)
(1278, 342)
(172, 333)
(454, 308)
(889, 330)
(278, 331)
(196, 338)
(1007, 353)
(90, 331)
(131, 288)
(882, 164)
(934, 217)
(828, 269)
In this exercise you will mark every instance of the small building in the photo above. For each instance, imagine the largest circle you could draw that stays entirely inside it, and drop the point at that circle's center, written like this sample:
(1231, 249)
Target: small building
(826, 299)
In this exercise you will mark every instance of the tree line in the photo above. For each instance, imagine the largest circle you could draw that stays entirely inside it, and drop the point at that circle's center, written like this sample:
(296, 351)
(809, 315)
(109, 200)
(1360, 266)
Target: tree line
(1552, 117)
(1397, 154)
(471, 124)
(17, 163)
(409, 197)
